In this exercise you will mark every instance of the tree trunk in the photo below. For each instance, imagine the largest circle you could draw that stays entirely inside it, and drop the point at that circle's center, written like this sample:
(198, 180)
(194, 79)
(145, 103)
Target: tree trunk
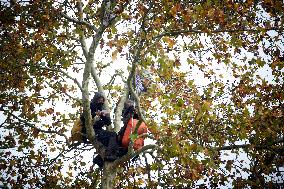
(109, 174)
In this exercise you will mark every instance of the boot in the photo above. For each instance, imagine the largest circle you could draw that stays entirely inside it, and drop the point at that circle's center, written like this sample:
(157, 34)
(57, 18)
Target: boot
(99, 161)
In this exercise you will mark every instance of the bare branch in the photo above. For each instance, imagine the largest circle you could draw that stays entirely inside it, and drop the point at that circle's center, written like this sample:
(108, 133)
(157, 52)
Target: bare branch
(80, 22)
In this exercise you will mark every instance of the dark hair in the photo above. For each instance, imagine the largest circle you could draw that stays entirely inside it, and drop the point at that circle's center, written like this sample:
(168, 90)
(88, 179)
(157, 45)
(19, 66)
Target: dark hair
(128, 103)
(97, 96)
(94, 105)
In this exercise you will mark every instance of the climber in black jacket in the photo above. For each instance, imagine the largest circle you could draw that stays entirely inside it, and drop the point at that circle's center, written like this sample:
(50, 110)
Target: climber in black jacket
(108, 138)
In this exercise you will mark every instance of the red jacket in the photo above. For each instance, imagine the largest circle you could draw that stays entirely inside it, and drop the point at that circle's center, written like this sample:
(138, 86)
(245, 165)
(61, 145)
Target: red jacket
(139, 142)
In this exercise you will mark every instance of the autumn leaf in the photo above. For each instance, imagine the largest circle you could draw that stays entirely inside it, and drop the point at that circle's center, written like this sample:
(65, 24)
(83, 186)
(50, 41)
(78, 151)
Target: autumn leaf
(49, 111)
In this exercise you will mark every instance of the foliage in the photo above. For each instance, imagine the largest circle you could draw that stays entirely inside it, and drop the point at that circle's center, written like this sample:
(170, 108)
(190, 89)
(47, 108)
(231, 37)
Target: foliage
(214, 101)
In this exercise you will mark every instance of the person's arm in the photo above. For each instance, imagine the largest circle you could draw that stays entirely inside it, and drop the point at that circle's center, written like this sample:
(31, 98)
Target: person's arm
(105, 116)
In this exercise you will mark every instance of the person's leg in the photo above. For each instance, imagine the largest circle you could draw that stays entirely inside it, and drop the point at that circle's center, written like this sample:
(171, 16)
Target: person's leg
(112, 148)
(122, 151)
(109, 140)
(99, 161)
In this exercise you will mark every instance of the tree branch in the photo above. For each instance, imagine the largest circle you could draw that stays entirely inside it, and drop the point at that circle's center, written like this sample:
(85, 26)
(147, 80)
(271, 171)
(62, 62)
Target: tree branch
(82, 33)
(71, 97)
(130, 155)
(99, 85)
(118, 110)
(176, 33)
(133, 70)
(41, 130)
(90, 69)
(146, 135)
(80, 22)
(130, 79)
(148, 169)
(57, 70)
(114, 77)
(68, 76)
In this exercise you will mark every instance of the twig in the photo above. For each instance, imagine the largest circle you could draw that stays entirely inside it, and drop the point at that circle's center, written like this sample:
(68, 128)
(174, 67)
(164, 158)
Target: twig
(71, 97)
(129, 155)
(148, 168)
(81, 22)
(41, 130)
(146, 135)
(260, 147)
(176, 33)
(61, 71)
(113, 78)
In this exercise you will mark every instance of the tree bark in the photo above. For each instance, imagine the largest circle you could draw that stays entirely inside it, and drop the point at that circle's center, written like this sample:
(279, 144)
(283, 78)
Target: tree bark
(109, 174)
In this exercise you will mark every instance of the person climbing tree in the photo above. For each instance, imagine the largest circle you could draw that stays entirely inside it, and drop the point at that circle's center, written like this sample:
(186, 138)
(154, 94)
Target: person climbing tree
(100, 118)
(130, 120)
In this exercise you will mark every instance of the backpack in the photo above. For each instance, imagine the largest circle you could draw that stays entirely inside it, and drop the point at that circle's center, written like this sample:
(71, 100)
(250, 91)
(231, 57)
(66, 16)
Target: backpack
(76, 132)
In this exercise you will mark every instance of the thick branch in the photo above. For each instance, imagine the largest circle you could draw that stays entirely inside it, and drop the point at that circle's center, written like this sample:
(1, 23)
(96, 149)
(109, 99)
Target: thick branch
(86, 101)
(90, 69)
(118, 110)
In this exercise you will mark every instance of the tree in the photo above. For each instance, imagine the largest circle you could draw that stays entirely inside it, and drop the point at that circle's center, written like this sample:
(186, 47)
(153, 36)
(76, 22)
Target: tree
(197, 128)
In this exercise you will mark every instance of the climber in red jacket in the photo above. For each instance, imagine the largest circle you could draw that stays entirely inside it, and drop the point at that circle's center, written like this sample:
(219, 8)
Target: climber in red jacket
(130, 120)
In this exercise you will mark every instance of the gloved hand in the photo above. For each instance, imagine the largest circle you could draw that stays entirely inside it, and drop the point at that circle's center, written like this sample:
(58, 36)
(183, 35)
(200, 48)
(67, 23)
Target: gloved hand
(103, 113)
